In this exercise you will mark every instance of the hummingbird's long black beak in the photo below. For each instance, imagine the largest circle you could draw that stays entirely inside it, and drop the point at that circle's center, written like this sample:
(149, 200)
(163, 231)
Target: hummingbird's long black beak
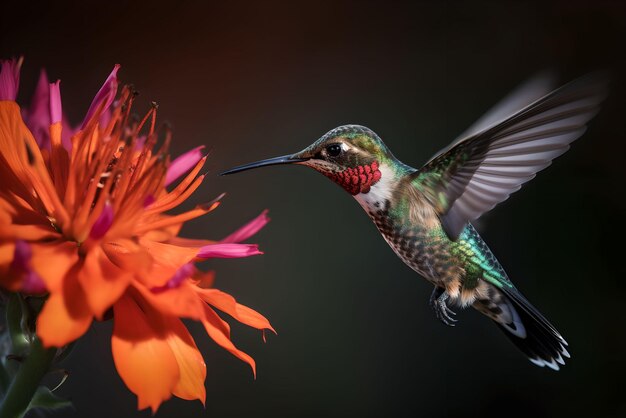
(285, 159)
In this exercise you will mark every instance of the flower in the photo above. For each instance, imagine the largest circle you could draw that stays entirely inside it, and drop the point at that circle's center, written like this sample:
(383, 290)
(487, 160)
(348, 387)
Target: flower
(86, 221)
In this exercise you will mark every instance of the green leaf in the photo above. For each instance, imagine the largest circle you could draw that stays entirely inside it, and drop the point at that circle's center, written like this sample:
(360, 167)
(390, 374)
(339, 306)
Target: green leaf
(45, 399)
(5, 380)
(25, 383)
(15, 321)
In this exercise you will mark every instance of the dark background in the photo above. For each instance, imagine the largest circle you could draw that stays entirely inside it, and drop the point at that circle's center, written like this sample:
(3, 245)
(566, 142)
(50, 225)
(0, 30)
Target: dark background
(355, 334)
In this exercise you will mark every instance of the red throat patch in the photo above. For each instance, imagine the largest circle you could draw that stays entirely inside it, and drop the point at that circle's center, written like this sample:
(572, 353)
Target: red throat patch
(357, 180)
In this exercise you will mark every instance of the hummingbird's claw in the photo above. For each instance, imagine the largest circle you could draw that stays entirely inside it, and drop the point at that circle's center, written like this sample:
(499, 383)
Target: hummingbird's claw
(438, 302)
(443, 314)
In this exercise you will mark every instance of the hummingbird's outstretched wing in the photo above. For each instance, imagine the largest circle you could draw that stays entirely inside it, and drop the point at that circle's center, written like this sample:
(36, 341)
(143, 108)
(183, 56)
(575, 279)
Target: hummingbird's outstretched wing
(483, 169)
(533, 89)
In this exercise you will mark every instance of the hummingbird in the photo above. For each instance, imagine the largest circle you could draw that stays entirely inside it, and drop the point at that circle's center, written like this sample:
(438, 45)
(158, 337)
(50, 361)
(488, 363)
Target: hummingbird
(426, 214)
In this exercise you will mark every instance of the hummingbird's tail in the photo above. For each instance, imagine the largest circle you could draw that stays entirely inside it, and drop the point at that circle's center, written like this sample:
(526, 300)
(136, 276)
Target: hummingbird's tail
(525, 326)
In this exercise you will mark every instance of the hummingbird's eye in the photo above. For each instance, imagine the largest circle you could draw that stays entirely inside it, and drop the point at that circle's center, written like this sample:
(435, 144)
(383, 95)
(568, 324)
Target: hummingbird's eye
(333, 150)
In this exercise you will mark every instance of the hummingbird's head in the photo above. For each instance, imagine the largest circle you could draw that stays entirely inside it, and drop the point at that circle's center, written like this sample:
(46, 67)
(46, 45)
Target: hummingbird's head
(350, 155)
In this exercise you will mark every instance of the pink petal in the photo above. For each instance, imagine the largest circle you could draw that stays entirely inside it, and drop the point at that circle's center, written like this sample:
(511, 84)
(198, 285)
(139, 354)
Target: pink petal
(140, 142)
(105, 117)
(182, 164)
(31, 282)
(10, 78)
(104, 97)
(56, 110)
(21, 255)
(103, 223)
(66, 134)
(37, 117)
(248, 229)
(186, 271)
(228, 250)
(150, 199)
(39, 101)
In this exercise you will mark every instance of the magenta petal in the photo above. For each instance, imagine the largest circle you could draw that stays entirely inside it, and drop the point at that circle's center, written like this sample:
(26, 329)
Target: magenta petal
(37, 117)
(148, 200)
(105, 117)
(248, 229)
(177, 279)
(140, 141)
(31, 282)
(66, 134)
(103, 223)
(21, 255)
(182, 164)
(104, 97)
(10, 78)
(56, 111)
(228, 250)
(39, 101)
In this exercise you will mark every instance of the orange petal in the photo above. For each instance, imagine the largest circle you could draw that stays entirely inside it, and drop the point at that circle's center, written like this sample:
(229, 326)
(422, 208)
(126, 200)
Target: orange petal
(7, 250)
(226, 303)
(21, 160)
(65, 315)
(219, 331)
(205, 279)
(164, 234)
(142, 355)
(31, 232)
(53, 261)
(104, 282)
(186, 242)
(190, 362)
(18, 222)
(14, 138)
(128, 255)
(181, 301)
(167, 260)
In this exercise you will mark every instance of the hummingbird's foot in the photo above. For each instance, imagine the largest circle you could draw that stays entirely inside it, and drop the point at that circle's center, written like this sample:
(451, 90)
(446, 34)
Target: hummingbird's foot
(438, 301)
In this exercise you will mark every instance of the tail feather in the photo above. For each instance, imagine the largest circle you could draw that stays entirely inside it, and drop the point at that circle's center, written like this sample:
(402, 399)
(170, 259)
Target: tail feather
(542, 346)
(526, 327)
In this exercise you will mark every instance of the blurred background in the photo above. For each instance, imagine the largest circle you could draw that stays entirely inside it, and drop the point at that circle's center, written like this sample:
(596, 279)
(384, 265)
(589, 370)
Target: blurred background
(356, 336)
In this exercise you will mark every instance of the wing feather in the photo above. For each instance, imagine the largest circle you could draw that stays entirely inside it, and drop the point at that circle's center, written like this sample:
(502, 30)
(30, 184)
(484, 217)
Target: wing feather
(483, 169)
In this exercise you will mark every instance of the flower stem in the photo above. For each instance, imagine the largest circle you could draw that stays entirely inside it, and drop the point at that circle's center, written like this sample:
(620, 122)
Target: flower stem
(27, 380)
